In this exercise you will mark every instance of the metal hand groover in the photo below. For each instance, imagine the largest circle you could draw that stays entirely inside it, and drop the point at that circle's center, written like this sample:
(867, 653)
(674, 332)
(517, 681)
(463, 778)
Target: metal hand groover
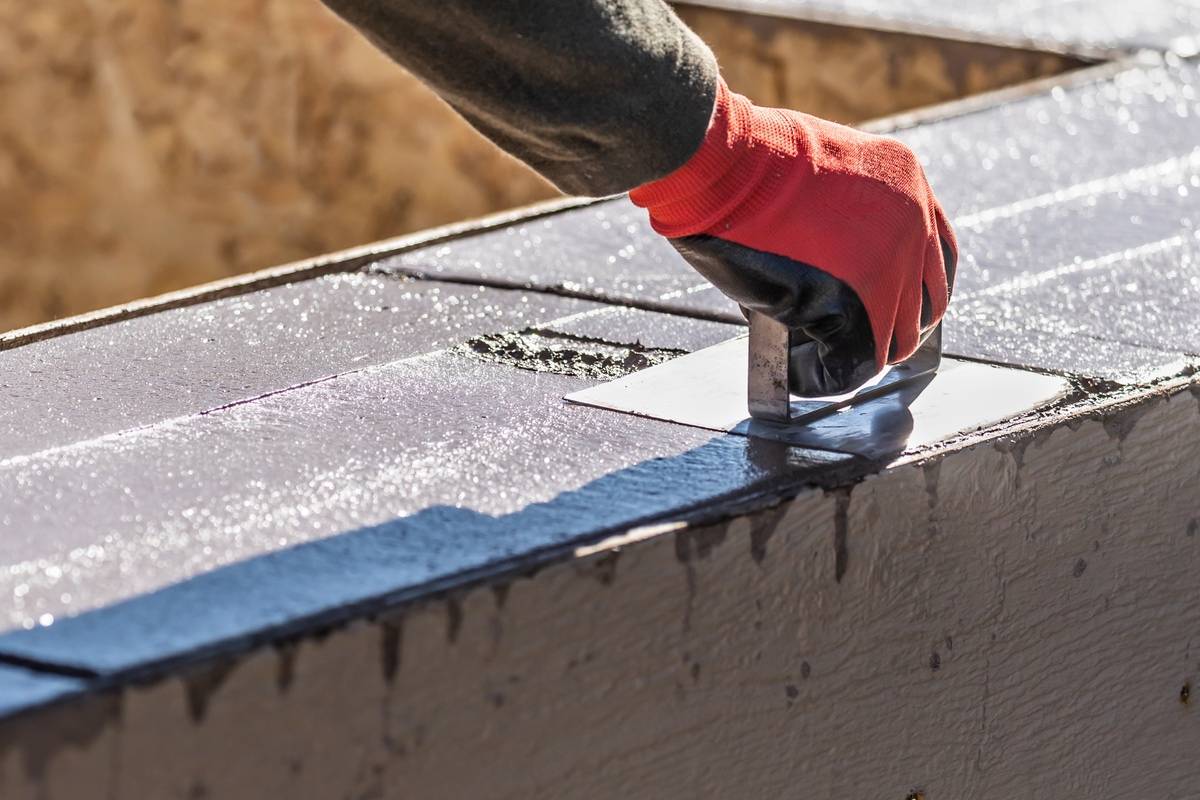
(769, 399)
(740, 386)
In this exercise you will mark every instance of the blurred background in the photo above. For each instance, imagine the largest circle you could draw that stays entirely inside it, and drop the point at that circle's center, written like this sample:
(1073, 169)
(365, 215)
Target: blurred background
(149, 145)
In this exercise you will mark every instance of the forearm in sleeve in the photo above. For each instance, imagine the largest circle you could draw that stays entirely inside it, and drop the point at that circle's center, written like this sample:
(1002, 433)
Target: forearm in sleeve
(598, 96)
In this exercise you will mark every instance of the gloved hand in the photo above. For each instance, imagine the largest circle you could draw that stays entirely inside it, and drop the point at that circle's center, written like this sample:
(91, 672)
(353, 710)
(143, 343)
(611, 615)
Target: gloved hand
(831, 231)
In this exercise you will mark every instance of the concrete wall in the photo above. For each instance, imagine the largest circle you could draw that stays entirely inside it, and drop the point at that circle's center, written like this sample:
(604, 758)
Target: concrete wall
(147, 146)
(1016, 619)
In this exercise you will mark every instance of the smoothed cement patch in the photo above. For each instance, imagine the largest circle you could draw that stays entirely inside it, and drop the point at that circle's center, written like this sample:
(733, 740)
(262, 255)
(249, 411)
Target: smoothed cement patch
(192, 360)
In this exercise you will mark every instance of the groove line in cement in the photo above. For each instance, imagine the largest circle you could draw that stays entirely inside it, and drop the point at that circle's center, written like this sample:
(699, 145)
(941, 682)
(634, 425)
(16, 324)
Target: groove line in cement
(660, 305)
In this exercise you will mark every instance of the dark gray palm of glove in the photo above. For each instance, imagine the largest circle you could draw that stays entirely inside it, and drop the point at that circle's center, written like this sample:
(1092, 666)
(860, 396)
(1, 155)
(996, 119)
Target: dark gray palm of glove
(836, 350)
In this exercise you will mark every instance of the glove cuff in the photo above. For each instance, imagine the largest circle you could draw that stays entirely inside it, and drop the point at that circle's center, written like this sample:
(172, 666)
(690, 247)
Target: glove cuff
(717, 179)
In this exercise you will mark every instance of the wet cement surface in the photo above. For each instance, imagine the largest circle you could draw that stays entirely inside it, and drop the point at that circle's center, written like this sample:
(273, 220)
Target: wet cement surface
(192, 360)
(1099, 24)
(411, 469)
(1015, 342)
(1076, 213)
(373, 484)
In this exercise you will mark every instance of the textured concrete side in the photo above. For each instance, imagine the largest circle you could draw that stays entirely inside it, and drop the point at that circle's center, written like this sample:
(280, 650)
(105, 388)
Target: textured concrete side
(1016, 619)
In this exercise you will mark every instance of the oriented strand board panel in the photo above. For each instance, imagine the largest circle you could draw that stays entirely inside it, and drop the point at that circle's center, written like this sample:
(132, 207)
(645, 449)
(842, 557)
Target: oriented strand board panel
(855, 73)
(57, 740)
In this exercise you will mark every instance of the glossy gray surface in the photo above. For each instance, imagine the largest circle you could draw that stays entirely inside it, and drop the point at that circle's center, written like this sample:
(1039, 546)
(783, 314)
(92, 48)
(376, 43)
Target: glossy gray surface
(191, 360)
(605, 250)
(428, 468)
(1065, 24)
(926, 400)
(21, 689)
(715, 387)
(1076, 215)
(1011, 340)
(1068, 176)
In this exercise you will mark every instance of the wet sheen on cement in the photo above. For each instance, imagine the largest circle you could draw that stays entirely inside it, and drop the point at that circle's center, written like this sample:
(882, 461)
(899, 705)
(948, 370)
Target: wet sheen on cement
(195, 359)
(411, 469)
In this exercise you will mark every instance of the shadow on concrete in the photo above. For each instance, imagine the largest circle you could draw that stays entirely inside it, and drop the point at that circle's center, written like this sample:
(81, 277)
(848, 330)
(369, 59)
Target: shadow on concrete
(320, 583)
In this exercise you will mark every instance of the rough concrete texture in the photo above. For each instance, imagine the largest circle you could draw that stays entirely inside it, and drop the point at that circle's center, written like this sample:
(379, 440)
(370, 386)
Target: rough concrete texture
(974, 627)
(563, 354)
(620, 324)
(1104, 25)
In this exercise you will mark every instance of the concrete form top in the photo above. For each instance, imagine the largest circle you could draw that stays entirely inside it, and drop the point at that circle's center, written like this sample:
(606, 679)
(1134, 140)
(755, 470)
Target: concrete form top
(377, 436)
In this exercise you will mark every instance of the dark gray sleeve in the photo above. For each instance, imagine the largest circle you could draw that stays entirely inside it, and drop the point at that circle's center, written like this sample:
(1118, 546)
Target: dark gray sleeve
(598, 96)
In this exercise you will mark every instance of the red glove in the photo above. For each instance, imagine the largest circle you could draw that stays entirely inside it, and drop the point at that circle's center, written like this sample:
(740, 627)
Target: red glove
(783, 211)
